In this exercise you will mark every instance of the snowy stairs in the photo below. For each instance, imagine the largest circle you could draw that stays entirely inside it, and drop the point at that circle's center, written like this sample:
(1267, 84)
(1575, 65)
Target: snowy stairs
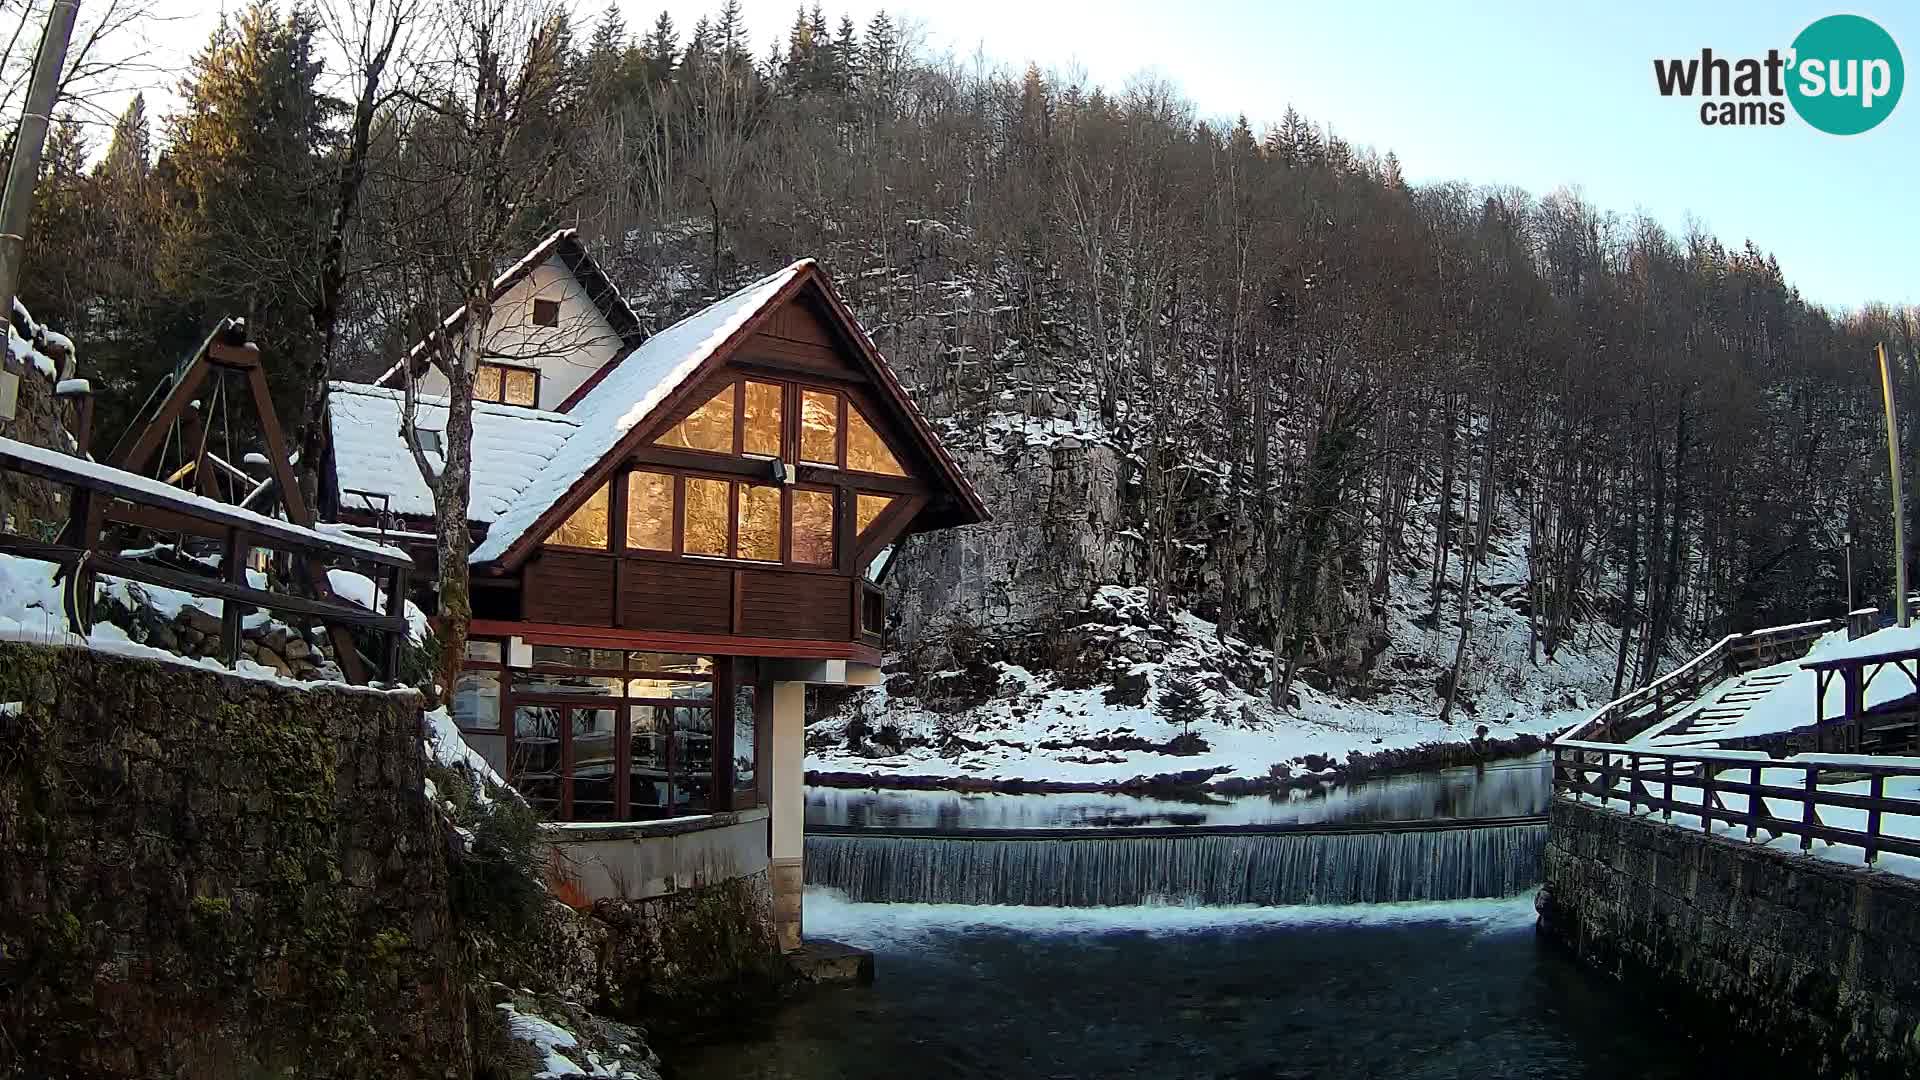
(1729, 708)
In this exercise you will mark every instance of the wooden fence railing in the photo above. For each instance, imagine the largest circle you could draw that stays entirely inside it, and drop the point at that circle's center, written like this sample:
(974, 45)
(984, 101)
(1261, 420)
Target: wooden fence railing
(1696, 782)
(1631, 714)
(101, 494)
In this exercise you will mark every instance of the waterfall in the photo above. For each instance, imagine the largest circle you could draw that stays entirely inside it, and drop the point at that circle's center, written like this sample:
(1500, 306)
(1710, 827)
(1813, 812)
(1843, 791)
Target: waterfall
(1348, 867)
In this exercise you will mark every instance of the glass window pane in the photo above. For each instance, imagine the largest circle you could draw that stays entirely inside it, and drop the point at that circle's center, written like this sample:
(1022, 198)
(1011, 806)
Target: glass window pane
(759, 523)
(587, 526)
(563, 656)
(692, 758)
(687, 663)
(650, 511)
(520, 387)
(476, 701)
(536, 756)
(593, 765)
(743, 721)
(648, 791)
(819, 424)
(760, 432)
(706, 516)
(813, 527)
(572, 685)
(709, 427)
(487, 652)
(868, 507)
(486, 382)
(670, 688)
(866, 451)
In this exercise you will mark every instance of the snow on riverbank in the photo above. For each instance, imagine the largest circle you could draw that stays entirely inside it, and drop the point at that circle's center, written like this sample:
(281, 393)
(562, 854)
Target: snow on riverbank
(1035, 728)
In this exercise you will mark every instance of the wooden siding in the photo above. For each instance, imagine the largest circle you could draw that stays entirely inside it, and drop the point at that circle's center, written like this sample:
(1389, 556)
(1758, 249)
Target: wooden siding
(570, 587)
(788, 605)
(685, 597)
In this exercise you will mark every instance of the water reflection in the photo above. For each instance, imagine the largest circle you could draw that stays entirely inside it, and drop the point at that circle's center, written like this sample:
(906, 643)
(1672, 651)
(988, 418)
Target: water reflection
(1500, 789)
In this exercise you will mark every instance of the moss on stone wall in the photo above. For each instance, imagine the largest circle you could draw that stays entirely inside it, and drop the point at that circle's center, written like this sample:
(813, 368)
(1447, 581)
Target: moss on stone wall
(212, 876)
(684, 959)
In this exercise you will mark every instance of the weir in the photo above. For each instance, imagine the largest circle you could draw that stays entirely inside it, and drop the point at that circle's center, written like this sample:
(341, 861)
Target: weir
(1375, 863)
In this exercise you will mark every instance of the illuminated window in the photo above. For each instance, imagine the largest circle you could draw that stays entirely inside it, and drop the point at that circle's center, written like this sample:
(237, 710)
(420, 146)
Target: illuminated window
(866, 451)
(813, 527)
(866, 508)
(587, 526)
(709, 427)
(760, 430)
(650, 511)
(819, 427)
(707, 515)
(759, 526)
(503, 385)
(522, 387)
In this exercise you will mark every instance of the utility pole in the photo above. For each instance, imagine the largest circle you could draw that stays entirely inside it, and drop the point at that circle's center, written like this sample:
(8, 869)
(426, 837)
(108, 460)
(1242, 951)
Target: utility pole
(1899, 506)
(16, 205)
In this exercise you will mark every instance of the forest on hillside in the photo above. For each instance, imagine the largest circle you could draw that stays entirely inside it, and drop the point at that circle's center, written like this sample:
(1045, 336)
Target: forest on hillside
(1308, 375)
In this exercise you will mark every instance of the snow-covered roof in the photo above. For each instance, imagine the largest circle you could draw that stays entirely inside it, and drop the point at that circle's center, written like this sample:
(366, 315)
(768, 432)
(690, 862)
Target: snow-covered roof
(510, 446)
(628, 390)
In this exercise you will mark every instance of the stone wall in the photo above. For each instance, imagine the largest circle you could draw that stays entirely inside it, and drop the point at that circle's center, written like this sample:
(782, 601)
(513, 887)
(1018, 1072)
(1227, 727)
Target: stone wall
(693, 956)
(210, 876)
(1811, 959)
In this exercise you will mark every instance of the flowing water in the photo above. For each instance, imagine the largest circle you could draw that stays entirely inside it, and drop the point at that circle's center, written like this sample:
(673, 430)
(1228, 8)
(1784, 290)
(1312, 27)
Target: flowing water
(1114, 869)
(1509, 788)
(1368, 992)
(1263, 937)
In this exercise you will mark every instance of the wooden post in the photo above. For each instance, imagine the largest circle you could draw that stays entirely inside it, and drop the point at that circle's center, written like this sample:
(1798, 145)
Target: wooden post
(234, 568)
(1807, 814)
(1633, 784)
(1753, 801)
(1666, 808)
(1875, 793)
(396, 606)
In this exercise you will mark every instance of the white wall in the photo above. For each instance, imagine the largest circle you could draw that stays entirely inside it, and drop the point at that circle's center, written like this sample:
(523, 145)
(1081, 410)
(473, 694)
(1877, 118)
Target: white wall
(638, 860)
(566, 355)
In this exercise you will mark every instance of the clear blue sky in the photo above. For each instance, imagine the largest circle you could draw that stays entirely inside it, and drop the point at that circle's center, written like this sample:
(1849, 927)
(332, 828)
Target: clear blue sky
(1541, 95)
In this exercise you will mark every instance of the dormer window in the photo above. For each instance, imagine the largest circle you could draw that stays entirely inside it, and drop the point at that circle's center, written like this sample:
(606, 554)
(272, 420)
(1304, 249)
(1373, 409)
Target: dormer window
(546, 311)
(499, 384)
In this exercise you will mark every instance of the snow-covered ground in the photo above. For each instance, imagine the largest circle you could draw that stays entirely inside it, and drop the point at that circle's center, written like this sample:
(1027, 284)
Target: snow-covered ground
(1027, 730)
(31, 610)
(1781, 697)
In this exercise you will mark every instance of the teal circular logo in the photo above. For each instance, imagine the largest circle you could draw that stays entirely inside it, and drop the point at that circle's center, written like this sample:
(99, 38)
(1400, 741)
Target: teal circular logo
(1846, 74)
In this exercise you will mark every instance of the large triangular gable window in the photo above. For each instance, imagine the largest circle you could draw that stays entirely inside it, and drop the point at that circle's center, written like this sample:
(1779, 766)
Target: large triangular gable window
(866, 451)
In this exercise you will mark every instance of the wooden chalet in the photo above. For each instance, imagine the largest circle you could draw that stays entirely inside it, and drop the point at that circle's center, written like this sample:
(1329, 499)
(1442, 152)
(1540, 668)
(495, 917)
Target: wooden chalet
(675, 533)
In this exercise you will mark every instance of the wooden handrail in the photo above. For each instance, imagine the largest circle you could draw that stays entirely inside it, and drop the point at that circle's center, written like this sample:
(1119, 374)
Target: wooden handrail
(1684, 683)
(1690, 782)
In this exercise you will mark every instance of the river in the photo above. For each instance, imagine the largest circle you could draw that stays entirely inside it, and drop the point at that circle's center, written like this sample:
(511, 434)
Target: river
(1461, 988)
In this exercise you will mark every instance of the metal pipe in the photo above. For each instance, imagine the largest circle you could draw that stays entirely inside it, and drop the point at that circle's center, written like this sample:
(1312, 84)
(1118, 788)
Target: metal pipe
(16, 205)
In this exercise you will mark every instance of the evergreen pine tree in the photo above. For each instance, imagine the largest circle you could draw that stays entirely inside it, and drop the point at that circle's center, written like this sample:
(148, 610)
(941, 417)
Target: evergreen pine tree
(1182, 701)
(660, 48)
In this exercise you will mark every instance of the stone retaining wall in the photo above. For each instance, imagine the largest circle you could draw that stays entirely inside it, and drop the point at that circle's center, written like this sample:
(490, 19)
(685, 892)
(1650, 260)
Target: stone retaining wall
(1816, 961)
(211, 876)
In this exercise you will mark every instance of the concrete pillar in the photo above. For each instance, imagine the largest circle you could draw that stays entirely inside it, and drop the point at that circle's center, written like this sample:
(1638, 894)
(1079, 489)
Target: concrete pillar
(787, 867)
